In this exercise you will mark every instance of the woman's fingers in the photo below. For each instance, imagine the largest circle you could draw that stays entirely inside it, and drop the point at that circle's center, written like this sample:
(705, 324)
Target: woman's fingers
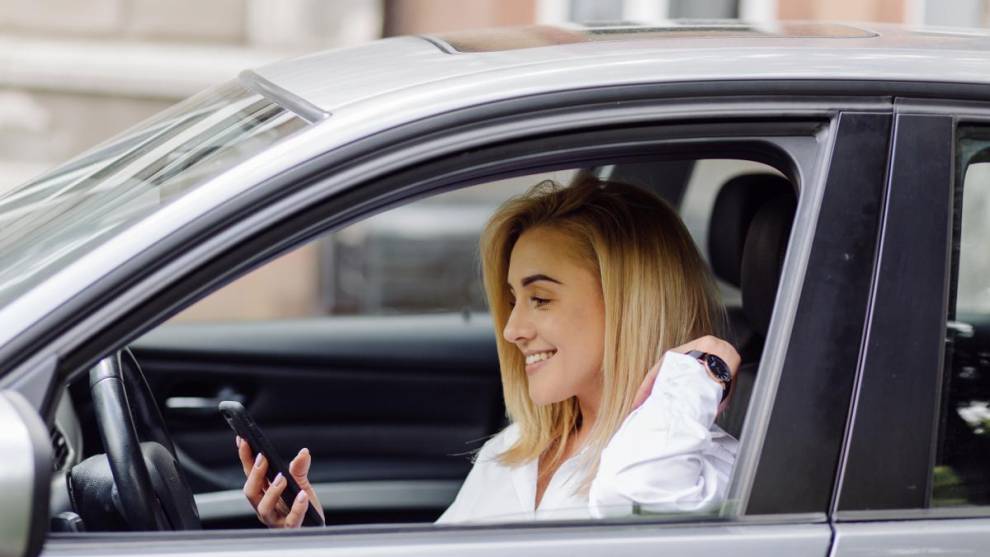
(268, 506)
(297, 513)
(299, 468)
(255, 484)
(268, 502)
(244, 453)
(720, 348)
(717, 346)
(709, 344)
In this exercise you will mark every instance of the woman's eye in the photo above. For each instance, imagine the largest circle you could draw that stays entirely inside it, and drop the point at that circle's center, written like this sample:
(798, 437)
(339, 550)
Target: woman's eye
(539, 302)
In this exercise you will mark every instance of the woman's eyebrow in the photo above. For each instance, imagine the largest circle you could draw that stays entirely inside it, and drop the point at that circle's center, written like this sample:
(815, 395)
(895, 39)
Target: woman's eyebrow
(533, 278)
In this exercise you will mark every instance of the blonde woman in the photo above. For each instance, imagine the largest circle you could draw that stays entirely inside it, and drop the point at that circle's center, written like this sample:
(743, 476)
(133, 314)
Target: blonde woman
(598, 296)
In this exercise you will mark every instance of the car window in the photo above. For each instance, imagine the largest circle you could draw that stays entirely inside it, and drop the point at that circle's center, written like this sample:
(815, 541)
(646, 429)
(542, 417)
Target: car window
(961, 475)
(417, 263)
(52, 221)
(417, 258)
(422, 257)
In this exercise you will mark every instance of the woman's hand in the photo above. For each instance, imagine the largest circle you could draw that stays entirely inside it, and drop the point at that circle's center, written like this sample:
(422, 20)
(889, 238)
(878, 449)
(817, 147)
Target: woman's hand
(709, 344)
(267, 498)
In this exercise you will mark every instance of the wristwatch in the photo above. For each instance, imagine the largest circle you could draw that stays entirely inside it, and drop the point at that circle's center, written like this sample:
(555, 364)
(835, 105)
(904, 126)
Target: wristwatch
(716, 367)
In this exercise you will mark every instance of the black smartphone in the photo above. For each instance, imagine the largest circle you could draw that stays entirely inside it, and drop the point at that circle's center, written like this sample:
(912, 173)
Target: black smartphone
(244, 425)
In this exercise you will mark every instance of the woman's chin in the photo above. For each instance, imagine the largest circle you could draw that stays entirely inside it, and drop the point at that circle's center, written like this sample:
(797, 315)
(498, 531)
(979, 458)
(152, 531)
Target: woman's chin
(541, 397)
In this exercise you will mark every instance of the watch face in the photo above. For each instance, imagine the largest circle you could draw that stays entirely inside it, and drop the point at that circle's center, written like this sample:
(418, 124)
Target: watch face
(718, 367)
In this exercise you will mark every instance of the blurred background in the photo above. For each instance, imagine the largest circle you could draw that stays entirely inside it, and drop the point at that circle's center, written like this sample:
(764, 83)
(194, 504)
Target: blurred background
(73, 74)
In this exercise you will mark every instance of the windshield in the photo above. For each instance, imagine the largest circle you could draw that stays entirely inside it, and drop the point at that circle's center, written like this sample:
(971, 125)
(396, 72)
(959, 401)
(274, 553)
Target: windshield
(48, 223)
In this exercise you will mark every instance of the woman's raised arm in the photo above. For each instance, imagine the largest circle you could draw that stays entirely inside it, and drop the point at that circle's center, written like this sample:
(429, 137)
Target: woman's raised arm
(667, 456)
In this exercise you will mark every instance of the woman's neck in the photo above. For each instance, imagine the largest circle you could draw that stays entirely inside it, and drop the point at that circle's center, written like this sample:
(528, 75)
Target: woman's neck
(589, 413)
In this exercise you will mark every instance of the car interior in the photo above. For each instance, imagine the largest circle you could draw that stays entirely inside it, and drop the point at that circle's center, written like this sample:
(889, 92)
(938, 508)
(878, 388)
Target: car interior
(391, 396)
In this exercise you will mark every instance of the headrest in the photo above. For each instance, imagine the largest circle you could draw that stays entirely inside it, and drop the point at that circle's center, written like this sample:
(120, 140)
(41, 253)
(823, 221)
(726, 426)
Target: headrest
(763, 258)
(737, 202)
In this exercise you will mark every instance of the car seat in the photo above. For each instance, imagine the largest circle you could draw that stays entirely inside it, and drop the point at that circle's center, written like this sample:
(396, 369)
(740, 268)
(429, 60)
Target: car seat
(747, 240)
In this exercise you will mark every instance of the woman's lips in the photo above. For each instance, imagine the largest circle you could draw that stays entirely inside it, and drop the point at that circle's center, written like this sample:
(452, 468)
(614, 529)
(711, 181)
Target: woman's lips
(535, 366)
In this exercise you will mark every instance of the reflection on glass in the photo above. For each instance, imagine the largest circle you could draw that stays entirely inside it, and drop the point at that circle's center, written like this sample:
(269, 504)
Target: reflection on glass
(961, 475)
(50, 222)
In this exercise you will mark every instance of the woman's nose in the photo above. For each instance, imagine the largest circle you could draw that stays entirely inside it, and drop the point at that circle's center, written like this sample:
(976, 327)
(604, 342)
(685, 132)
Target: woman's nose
(517, 327)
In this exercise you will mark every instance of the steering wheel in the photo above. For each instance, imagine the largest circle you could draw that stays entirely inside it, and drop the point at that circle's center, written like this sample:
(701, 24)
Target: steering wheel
(152, 493)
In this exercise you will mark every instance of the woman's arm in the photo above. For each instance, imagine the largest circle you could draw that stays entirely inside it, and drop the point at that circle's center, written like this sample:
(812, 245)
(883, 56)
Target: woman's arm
(667, 456)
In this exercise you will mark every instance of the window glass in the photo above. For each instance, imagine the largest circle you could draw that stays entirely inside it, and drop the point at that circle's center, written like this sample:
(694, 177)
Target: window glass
(422, 257)
(962, 472)
(418, 258)
(52, 221)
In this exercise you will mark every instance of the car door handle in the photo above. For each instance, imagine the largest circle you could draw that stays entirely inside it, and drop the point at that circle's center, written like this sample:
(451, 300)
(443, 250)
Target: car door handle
(961, 330)
(191, 403)
(200, 405)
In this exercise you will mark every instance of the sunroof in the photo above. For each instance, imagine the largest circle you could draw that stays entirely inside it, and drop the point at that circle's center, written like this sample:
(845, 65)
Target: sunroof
(494, 40)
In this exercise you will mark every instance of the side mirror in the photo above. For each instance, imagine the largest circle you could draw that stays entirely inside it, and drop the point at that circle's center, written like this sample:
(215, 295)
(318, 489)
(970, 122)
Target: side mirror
(25, 477)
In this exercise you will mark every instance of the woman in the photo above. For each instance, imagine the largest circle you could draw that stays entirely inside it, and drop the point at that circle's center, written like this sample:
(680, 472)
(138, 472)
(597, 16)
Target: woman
(588, 286)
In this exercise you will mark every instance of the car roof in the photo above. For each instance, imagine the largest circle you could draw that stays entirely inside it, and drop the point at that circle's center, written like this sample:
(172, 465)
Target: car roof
(543, 58)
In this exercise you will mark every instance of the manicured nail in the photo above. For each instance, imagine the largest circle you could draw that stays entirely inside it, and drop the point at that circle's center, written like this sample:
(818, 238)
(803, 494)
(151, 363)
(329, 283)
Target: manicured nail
(237, 441)
(279, 480)
(301, 496)
(257, 461)
(302, 451)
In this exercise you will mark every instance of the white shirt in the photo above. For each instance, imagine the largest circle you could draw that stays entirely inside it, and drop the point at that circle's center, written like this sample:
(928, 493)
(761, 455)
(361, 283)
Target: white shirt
(666, 456)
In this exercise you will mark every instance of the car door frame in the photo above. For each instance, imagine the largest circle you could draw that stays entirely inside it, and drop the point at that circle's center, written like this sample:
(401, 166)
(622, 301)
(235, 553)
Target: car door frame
(220, 259)
(903, 365)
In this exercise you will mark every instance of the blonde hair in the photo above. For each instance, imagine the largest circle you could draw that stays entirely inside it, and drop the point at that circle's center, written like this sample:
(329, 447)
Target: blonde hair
(656, 289)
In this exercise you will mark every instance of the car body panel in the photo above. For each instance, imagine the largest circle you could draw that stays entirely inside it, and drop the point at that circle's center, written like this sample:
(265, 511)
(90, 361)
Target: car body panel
(905, 341)
(798, 463)
(25, 478)
(949, 538)
(561, 540)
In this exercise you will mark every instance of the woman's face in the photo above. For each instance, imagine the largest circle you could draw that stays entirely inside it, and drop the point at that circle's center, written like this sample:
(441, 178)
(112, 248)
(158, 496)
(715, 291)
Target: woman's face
(557, 319)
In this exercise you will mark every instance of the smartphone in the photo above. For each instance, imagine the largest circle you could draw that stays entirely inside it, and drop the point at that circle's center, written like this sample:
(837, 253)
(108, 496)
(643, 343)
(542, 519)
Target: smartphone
(244, 425)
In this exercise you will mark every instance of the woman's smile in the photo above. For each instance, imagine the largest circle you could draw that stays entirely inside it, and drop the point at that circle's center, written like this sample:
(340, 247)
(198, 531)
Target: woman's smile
(535, 360)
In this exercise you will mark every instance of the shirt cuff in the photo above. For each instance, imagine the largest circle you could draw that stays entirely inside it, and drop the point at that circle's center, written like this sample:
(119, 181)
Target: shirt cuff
(679, 371)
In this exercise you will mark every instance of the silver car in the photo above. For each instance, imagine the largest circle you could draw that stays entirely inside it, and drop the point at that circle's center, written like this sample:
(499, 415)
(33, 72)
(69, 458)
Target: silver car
(837, 177)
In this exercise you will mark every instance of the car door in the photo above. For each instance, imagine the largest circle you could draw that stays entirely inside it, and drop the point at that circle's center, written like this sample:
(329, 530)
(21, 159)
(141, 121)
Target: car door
(917, 469)
(792, 433)
(380, 401)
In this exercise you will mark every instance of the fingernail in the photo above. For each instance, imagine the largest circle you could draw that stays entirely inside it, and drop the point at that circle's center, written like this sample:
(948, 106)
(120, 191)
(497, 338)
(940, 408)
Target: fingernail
(279, 480)
(302, 451)
(300, 496)
(257, 460)
(237, 441)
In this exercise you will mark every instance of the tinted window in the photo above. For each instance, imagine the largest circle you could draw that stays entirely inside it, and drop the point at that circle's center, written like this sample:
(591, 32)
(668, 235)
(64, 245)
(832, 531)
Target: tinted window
(962, 471)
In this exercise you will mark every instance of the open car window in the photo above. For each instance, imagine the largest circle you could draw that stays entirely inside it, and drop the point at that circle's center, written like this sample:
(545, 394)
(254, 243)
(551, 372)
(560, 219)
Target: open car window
(422, 257)
(379, 334)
